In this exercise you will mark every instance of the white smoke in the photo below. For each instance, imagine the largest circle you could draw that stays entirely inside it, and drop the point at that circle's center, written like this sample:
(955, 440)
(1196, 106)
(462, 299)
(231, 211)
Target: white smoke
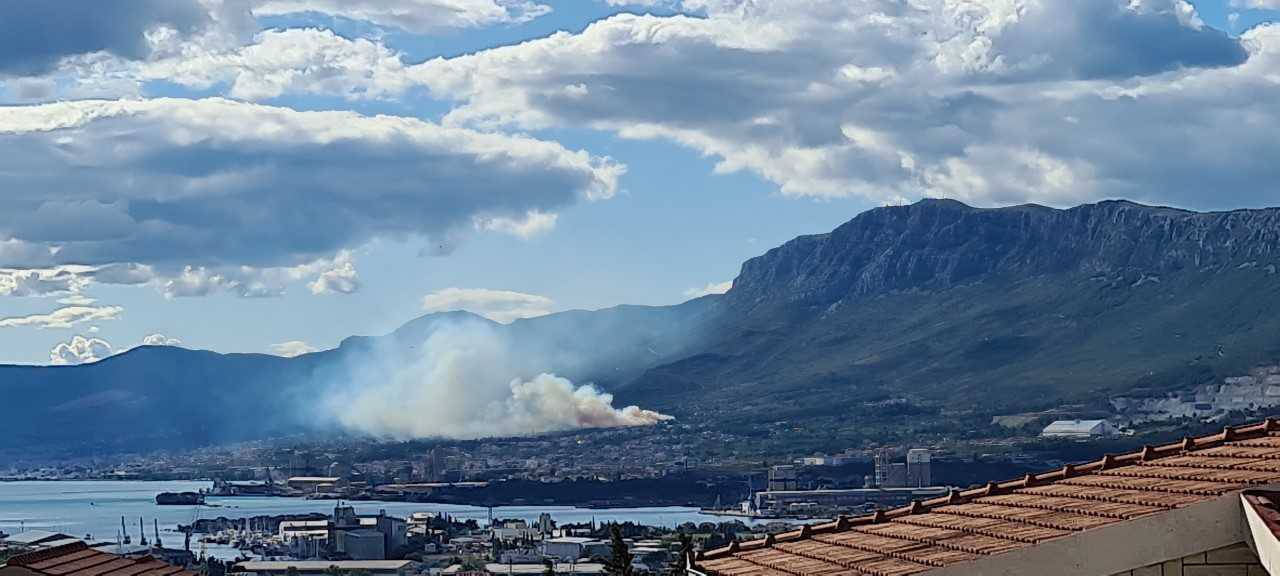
(465, 383)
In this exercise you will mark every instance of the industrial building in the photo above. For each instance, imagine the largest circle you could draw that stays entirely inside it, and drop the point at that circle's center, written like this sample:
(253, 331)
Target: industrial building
(567, 547)
(784, 477)
(1079, 429)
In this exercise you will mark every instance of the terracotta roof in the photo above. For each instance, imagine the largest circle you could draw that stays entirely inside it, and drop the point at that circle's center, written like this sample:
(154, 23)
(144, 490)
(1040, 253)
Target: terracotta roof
(78, 559)
(1004, 516)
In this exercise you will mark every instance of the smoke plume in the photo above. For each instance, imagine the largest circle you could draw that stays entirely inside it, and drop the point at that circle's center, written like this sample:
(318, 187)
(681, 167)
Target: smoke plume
(465, 382)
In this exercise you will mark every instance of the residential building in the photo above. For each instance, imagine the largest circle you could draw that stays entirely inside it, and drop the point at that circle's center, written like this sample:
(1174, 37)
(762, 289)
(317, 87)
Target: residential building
(1181, 509)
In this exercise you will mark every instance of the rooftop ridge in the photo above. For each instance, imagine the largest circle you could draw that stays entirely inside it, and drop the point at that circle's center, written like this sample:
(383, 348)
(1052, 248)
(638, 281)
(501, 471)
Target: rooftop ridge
(1106, 463)
(38, 556)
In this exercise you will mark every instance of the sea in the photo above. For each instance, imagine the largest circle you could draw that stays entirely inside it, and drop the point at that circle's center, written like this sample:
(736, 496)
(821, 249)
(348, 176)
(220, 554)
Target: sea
(92, 509)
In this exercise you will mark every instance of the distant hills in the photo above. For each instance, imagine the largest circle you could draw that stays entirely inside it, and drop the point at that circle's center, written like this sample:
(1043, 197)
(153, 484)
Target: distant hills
(909, 320)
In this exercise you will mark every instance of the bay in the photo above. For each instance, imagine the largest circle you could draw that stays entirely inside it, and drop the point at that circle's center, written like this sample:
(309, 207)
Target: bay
(92, 509)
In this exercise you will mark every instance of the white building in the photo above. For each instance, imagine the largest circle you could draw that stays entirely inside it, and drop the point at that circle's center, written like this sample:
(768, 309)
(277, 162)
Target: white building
(566, 548)
(1078, 429)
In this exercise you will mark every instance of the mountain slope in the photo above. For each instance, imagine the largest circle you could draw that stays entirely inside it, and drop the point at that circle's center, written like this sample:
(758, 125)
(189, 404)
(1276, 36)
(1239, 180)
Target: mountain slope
(907, 320)
(953, 309)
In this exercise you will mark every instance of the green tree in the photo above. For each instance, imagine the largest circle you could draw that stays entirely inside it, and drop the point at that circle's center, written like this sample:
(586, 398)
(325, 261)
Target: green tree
(548, 567)
(291, 571)
(619, 563)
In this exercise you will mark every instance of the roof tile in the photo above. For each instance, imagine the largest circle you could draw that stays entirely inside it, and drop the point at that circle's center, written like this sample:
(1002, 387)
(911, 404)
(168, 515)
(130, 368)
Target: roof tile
(1015, 514)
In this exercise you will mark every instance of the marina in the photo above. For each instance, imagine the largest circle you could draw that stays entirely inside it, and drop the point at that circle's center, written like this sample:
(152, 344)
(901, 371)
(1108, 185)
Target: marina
(93, 510)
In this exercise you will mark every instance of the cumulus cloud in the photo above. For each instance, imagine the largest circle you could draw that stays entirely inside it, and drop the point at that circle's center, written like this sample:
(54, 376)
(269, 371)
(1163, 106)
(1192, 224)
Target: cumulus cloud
(79, 350)
(466, 384)
(421, 16)
(292, 348)
(992, 102)
(160, 340)
(709, 289)
(64, 317)
(36, 282)
(105, 36)
(337, 276)
(497, 305)
(36, 36)
(988, 101)
(213, 184)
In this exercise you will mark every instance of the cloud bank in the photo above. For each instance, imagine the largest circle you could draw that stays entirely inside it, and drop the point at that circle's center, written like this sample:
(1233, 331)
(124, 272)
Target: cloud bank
(205, 190)
(988, 101)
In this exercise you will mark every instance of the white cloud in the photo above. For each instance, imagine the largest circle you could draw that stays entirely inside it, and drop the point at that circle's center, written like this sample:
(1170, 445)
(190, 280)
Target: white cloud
(421, 16)
(227, 188)
(65, 317)
(292, 348)
(337, 276)
(709, 289)
(38, 282)
(497, 305)
(79, 350)
(897, 100)
(160, 340)
(292, 60)
(532, 224)
(881, 99)
(77, 300)
(1256, 4)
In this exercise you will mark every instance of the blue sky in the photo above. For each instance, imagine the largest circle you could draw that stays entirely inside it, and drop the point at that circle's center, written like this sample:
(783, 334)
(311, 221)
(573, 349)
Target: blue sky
(712, 178)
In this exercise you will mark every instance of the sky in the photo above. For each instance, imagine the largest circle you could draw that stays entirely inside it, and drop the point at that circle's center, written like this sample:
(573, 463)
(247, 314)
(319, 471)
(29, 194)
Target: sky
(272, 176)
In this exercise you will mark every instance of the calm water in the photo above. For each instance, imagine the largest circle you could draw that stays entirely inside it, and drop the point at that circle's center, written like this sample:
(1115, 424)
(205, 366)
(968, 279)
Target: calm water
(94, 508)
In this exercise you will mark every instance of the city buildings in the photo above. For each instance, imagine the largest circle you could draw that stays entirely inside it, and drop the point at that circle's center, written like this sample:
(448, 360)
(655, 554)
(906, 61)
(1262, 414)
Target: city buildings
(1180, 509)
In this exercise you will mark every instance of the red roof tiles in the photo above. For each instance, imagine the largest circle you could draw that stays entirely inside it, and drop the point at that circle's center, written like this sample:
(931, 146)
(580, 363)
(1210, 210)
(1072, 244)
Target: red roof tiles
(1006, 516)
(79, 559)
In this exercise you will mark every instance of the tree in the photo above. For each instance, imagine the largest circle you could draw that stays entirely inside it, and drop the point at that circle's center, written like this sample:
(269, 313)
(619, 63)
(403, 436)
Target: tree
(291, 571)
(681, 561)
(619, 563)
(548, 567)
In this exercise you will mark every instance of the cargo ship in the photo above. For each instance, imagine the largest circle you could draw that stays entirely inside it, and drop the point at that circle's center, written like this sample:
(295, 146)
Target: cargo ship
(180, 498)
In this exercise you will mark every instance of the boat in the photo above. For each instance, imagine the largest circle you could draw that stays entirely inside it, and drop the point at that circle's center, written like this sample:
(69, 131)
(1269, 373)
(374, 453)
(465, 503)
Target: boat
(179, 498)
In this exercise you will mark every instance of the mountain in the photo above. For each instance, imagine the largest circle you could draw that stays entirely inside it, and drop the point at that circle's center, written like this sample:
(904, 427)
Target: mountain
(941, 309)
(907, 320)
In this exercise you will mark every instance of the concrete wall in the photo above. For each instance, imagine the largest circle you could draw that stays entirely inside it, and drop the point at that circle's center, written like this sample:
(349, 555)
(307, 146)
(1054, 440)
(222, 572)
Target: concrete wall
(1237, 560)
